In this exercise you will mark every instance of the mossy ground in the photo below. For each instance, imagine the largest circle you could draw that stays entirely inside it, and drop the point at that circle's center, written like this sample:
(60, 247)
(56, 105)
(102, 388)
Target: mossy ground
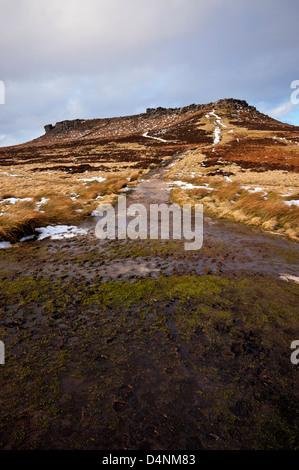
(169, 363)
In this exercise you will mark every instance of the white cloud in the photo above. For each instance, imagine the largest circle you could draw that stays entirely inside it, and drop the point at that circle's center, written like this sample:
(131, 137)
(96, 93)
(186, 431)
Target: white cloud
(281, 110)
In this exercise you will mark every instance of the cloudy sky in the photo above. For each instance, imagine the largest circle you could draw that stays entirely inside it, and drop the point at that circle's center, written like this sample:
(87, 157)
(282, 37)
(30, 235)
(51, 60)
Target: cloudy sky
(67, 59)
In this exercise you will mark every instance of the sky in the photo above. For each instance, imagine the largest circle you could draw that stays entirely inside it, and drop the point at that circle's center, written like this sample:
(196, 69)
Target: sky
(69, 59)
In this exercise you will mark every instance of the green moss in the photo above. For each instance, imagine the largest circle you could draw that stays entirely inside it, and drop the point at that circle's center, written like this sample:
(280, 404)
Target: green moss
(222, 343)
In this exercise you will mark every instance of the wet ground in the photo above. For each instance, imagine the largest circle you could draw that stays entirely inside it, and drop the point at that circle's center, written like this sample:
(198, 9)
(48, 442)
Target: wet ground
(228, 247)
(139, 344)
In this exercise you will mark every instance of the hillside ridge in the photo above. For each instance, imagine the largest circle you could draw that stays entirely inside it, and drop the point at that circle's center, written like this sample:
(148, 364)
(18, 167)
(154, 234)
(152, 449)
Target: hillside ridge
(68, 124)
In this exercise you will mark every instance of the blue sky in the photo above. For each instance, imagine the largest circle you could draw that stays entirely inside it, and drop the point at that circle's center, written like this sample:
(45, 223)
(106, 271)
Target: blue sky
(98, 58)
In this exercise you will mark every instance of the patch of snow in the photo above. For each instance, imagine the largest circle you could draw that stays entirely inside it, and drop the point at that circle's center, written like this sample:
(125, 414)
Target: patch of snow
(122, 190)
(26, 239)
(40, 203)
(217, 135)
(289, 277)
(9, 174)
(254, 190)
(4, 245)
(228, 179)
(185, 185)
(294, 202)
(13, 200)
(155, 138)
(100, 179)
(58, 232)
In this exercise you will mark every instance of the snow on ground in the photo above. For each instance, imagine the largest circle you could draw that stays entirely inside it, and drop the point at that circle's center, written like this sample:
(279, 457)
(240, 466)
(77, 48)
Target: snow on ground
(13, 200)
(294, 202)
(4, 245)
(100, 179)
(218, 119)
(228, 179)
(283, 139)
(289, 277)
(254, 190)
(123, 190)
(26, 239)
(40, 203)
(58, 232)
(9, 174)
(185, 185)
(217, 130)
(155, 138)
(217, 133)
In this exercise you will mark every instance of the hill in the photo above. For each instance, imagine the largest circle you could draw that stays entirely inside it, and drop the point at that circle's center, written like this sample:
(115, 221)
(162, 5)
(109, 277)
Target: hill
(238, 162)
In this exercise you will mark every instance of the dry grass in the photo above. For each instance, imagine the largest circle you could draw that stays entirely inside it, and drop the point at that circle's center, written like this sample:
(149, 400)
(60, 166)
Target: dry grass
(135, 176)
(110, 186)
(68, 200)
(265, 209)
(199, 193)
(21, 224)
(230, 201)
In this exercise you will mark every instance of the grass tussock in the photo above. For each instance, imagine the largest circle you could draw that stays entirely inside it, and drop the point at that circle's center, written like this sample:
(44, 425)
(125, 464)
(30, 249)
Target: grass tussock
(232, 202)
(21, 224)
(105, 188)
(61, 209)
(199, 193)
(22, 218)
(135, 176)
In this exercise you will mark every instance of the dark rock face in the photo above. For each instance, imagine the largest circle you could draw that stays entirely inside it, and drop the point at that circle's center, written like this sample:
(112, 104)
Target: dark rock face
(156, 112)
(231, 103)
(48, 128)
(192, 108)
(63, 126)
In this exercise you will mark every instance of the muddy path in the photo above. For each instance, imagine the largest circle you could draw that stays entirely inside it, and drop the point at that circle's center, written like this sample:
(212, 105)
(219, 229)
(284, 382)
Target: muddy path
(228, 248)
(245, 249)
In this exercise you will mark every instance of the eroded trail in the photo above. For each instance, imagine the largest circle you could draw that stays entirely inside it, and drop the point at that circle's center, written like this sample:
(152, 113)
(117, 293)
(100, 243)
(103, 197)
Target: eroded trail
(238, 248)
(228, 247)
